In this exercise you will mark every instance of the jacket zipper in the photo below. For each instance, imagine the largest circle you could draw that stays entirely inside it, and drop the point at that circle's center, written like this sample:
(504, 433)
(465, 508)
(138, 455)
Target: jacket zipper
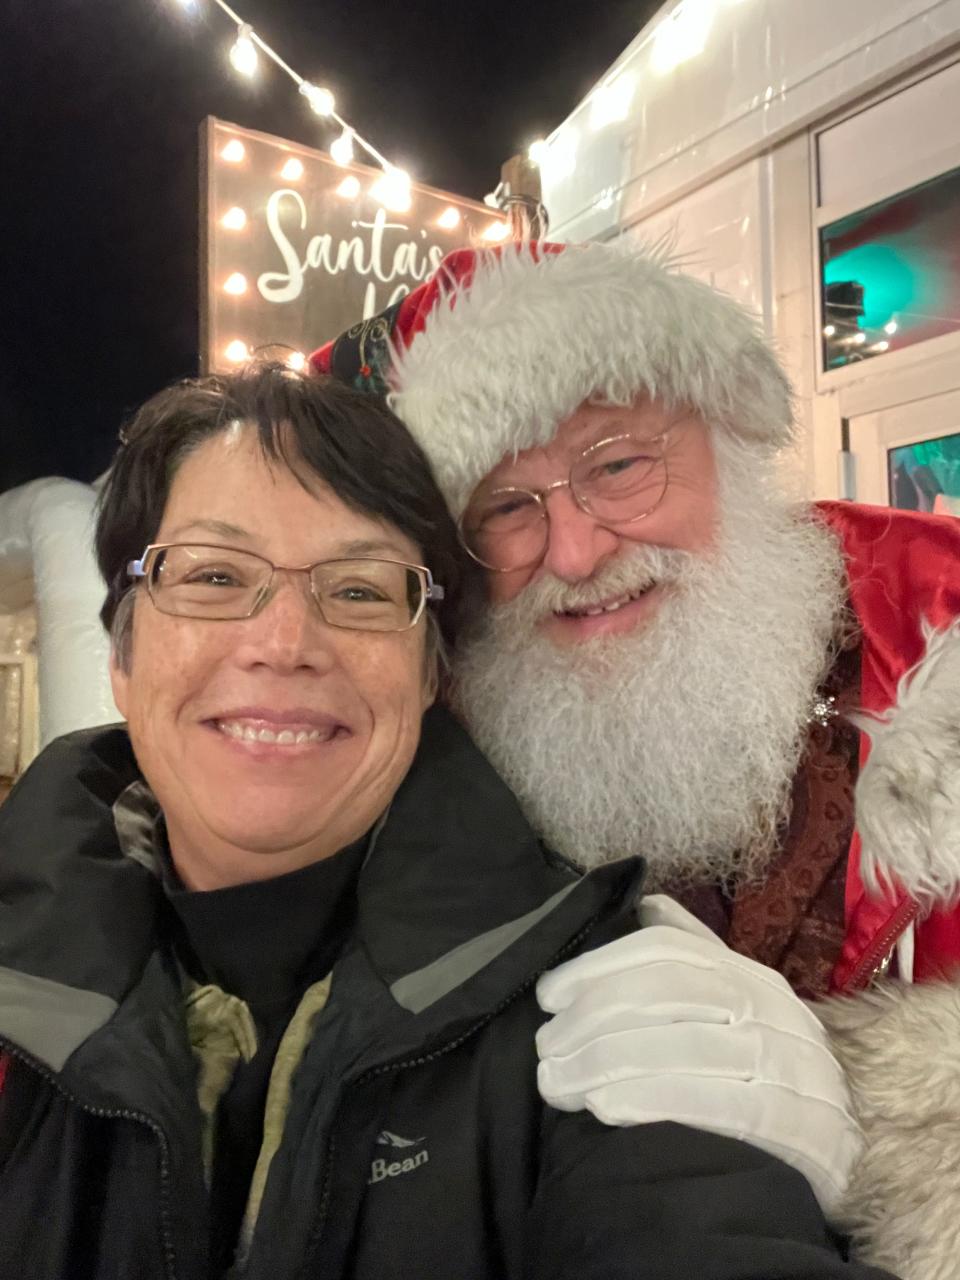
(872, 961)
(119, 1113)
(308, 1270)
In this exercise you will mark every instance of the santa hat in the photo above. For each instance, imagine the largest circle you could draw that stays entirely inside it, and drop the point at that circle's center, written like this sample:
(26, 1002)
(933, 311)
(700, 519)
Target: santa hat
(492, 353)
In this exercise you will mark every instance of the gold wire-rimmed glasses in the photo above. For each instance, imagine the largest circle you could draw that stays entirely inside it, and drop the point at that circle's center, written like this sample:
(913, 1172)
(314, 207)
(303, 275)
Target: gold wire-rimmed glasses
(200, 580)
(619, 480)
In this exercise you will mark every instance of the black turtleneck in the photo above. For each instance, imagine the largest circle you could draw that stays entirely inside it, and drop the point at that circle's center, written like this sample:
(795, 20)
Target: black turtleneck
(265, 943)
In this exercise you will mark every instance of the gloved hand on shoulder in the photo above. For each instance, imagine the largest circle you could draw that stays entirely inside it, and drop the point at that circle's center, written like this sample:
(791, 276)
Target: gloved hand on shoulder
(668, 1023)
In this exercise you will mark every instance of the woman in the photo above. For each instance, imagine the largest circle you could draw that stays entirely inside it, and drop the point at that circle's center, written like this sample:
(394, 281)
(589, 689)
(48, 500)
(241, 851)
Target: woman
(267, 953)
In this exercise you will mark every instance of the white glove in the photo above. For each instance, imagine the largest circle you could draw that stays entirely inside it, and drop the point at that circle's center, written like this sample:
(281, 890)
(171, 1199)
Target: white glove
(669, 1024)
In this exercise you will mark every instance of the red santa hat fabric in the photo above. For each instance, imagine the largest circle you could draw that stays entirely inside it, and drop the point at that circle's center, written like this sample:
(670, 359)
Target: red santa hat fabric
(491, 354)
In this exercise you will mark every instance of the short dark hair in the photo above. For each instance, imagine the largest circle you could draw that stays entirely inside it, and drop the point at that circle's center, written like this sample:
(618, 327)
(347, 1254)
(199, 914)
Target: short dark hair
(350, 440)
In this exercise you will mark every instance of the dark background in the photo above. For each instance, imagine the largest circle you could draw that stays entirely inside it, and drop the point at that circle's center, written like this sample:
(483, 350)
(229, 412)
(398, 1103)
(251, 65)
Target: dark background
(101, 102)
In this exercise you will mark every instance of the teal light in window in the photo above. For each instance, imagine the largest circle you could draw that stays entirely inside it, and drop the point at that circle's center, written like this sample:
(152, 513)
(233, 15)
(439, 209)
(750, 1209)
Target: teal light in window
(890, 282)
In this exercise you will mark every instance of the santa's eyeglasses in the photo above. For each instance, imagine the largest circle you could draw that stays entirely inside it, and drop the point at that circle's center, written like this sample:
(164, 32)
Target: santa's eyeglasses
(618, 481)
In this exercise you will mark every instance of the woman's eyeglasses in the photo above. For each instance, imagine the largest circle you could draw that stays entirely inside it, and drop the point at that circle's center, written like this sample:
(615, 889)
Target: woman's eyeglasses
(194, 580)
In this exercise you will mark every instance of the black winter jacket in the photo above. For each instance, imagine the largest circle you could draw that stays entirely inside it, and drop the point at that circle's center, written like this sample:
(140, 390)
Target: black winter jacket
(416, 1146)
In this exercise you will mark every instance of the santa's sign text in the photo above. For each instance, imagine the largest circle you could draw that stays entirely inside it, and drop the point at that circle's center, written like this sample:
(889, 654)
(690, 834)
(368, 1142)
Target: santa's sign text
(296, 248)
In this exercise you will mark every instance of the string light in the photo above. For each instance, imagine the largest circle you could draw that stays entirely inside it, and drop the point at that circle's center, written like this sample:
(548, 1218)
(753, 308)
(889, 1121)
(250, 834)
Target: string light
(556, 159)
(392, 189)
(559, 157)
(496, 231)
(235, 284)
(829, 330)
(349, 188)
(237, 351)
(234, 151)
(891, 327)
(321, 100)
(292, 171)
(244, 55)
(234, 219)
(297, 361)
(611, 102)
(681, 35)
(341, 149)
(449, 219)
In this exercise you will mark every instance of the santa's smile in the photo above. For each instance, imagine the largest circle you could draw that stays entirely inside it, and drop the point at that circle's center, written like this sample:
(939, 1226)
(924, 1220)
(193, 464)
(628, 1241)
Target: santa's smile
(611, 616)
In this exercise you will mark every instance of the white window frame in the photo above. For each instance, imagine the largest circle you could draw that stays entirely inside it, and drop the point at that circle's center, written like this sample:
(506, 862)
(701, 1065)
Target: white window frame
(911, 175)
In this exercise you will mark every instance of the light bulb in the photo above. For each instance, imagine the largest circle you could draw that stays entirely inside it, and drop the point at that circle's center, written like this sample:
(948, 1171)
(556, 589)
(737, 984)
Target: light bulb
(243, 55)
(611, 102)
(297, 361)
(891, 327)
(883, 345)
(392, 189)
(236, 351)
(292, 171)
(859, 339)
(349, 188)
(496, 231)
(234, 219)
(829, 330)
(681, 35)
(236, 284)
(321, 100)
(341, 149)
(233, 152)
(449, 219)
(538, 151)
(558, 160)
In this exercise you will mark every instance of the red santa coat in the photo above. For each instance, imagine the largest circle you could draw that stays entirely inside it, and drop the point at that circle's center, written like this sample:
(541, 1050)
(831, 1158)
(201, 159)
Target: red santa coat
(904, 569)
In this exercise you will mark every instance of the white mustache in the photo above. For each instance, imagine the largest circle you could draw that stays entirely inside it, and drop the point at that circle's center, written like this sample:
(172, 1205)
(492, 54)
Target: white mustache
(634, 570)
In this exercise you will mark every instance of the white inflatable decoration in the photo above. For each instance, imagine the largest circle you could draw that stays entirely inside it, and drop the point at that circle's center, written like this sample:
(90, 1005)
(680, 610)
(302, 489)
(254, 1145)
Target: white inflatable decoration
(46, 555)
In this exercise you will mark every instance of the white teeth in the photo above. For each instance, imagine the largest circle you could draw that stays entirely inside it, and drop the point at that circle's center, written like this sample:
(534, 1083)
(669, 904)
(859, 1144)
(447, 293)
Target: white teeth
(281, 737)
(594, 610)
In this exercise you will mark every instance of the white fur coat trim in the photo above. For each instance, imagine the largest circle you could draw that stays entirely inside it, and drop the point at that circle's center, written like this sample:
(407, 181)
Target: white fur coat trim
(908, 793)
(900, 1048)
(504, 360)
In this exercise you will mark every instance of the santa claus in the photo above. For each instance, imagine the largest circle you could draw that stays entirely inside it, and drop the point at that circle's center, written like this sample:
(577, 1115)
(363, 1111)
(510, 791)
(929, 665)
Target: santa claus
(674, 656)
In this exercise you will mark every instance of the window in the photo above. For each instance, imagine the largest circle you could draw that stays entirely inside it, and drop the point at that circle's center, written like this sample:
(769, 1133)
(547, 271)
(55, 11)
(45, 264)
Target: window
(890, 273)
(926, 476)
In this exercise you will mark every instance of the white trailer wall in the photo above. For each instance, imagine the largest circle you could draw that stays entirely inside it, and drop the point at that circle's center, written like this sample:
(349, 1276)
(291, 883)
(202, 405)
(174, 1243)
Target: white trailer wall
(709, 83)
(705, 131)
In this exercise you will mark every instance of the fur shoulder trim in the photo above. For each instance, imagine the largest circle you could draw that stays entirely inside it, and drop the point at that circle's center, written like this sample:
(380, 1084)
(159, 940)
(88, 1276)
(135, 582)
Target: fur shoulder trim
(507, 356)
(908, 793)
(899, 1046)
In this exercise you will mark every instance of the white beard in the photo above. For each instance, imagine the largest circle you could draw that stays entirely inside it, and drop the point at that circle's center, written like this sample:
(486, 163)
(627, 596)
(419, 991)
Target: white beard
(678, 740)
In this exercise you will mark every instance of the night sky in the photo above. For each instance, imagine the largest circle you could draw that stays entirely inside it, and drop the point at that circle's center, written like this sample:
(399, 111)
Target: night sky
(101, 102)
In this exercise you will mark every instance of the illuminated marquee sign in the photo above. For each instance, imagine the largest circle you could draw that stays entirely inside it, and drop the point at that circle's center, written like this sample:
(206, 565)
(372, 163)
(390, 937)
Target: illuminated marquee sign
(295, 247)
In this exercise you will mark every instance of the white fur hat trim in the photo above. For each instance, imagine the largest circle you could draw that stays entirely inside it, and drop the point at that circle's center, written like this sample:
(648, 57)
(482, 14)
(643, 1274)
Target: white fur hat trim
(504, 360)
